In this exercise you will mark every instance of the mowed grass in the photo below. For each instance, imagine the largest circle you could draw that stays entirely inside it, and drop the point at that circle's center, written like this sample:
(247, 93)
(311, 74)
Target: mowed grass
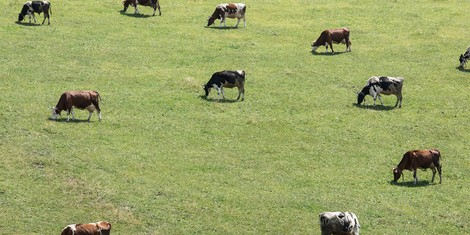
(164, 160)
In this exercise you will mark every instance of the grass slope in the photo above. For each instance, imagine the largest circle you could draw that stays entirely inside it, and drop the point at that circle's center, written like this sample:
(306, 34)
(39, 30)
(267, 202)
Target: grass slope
(166, 161)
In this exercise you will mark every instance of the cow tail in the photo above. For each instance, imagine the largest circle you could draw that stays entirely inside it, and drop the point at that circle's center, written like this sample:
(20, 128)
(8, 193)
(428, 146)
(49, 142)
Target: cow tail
(99, 97)
(50, 9)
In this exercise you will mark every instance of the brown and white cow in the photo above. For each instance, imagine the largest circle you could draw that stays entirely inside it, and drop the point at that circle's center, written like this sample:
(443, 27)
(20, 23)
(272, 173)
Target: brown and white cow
(155, 4)
(228, 10)
(229, 79)
(330, 36)
(414, 159)
(30, 7)
(98, 228)
(79, 99)
(345, 223)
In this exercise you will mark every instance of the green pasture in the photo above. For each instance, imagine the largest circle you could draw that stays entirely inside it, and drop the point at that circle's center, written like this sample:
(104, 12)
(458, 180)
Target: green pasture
(165, 160)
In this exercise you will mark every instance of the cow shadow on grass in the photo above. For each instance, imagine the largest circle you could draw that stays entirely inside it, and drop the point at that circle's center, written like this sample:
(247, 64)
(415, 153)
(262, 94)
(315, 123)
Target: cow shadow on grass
(217, 101)
(411, 184)
(462, 69)
(64, 120)
(327, 53)
(135, 15)
(27, 24)
(221, 28)
(376, 107)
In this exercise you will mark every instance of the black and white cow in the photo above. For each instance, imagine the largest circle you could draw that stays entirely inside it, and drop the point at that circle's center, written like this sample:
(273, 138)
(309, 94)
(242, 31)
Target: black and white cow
(228, 10)
(382, 85)
(30, 7)
(229, 79)
(155, 4)
(339, 223)
(464, 57)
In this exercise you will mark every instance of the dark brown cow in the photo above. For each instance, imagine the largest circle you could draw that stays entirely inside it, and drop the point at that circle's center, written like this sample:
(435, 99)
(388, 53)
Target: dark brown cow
(228, 10)
(80, 99)
(98, 228)
(414, 159)
(330, 36)
(151, 3)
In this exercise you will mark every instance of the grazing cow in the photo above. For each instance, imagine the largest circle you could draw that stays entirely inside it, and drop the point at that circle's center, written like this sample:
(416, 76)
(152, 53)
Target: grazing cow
(30, 7)
(382, 85)
(98, 228)
(80, 99)
(339, 223)
(151, 3)
(414, 159)
(228, 10)
(228, 79)
(464, 57)
(330, 36)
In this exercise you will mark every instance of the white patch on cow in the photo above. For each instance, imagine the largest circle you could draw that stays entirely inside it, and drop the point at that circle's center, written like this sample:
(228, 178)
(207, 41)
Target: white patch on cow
(54, 115)
(72, 227)
(91, 108)
(314, 48)
(240, 72)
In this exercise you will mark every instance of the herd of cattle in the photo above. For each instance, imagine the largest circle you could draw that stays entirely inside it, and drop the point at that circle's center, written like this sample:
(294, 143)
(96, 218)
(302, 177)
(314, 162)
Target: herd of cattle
(330, 222)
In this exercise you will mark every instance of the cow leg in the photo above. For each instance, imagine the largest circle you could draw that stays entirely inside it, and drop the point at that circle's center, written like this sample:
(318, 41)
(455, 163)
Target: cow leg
(244, 22)
(380, 99)
(89, 115)
(73, 113)
(218, 92)
(222, 20)
(136, 9)
(399, 98)
(238, 21)
(222, 91)
(439, 169)
(68, 114)
(415, 176)
(242, 93)
(158, 7)
(331, 45)
(433, 174)
(34, 17)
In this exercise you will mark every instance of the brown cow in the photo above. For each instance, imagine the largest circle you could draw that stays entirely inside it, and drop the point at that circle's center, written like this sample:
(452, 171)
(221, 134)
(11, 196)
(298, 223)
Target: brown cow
(151, 3)
(414, 159)
(98, 228)
(330, 36)
(80, 99)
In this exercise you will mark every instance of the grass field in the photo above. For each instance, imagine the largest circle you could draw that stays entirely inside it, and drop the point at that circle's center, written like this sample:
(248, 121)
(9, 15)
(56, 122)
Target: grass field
(164, 160)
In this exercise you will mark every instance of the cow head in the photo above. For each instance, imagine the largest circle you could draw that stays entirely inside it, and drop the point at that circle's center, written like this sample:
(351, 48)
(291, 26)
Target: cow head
(55, 113)
(206, 89)
(314, 47)
(360, 97)
(462, 60)
(20, 17)
(210, 21)
(397, 173)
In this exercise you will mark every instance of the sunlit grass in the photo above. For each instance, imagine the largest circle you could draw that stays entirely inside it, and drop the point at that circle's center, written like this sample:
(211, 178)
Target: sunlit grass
(165, 160)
